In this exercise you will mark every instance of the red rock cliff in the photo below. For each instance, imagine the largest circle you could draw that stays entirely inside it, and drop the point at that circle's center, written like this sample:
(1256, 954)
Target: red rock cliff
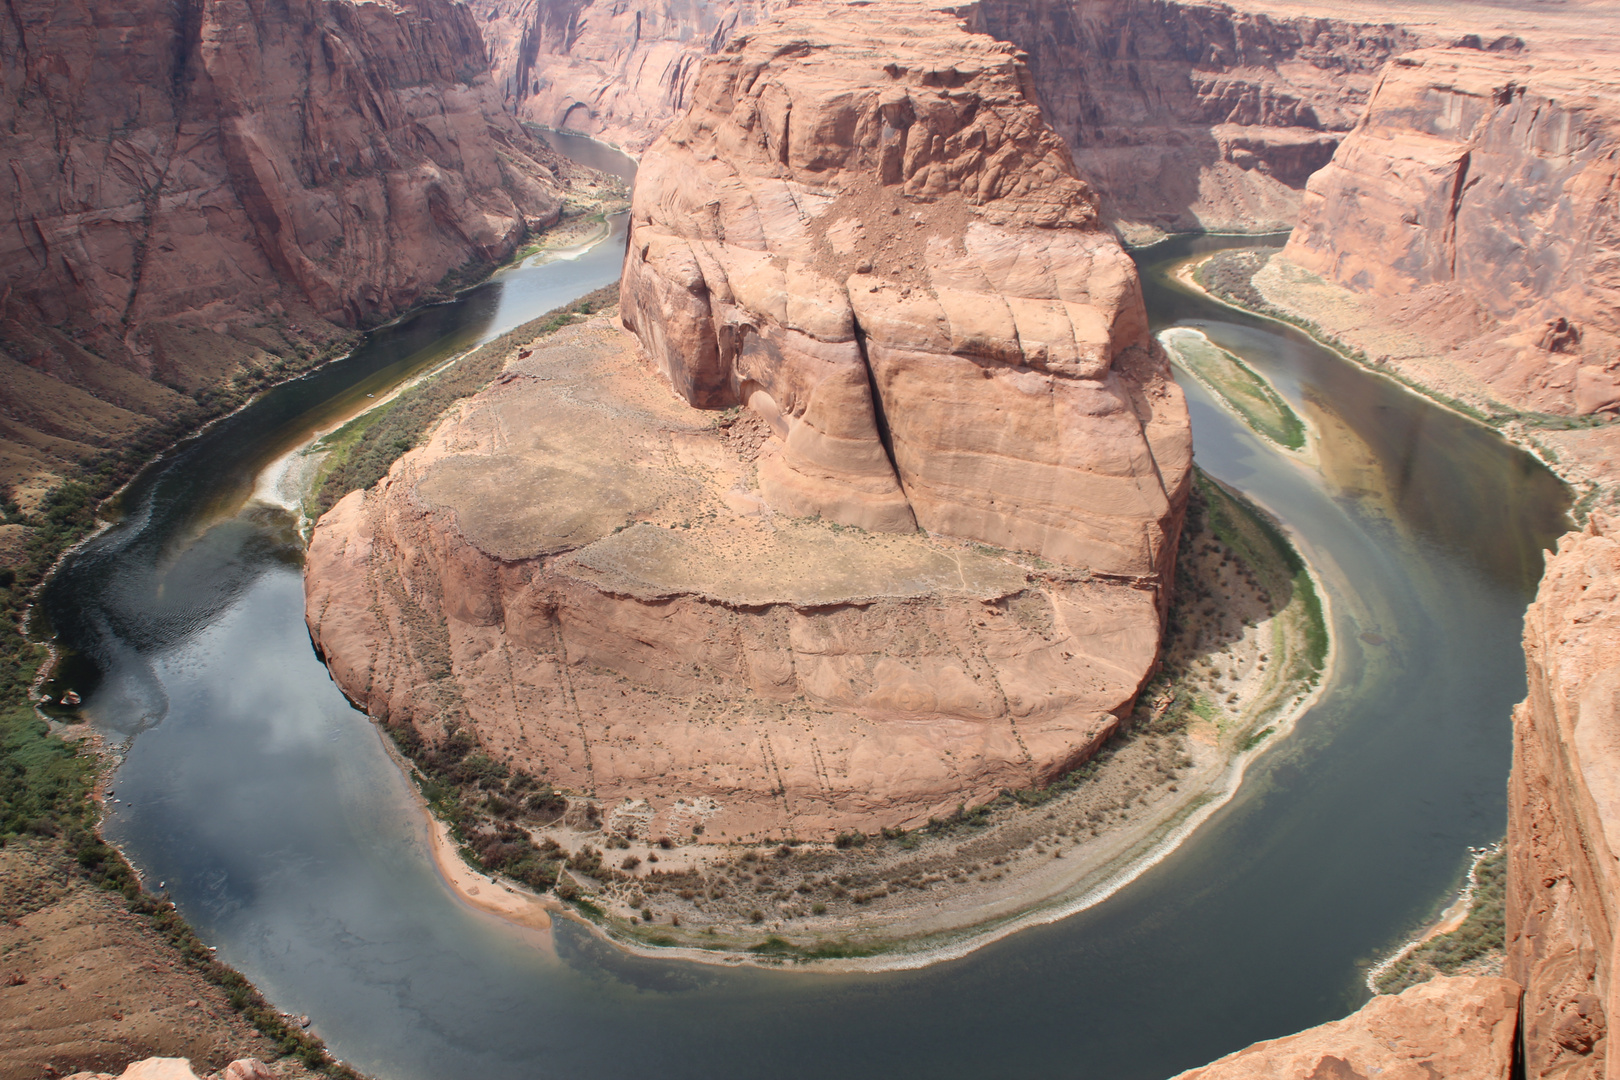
(1474, 205)
(1564, 810)
(226, 177)
(617, 70)
(1196, 115)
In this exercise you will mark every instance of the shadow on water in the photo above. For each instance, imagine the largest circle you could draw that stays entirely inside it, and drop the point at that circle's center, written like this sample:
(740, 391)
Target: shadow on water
(291, 840)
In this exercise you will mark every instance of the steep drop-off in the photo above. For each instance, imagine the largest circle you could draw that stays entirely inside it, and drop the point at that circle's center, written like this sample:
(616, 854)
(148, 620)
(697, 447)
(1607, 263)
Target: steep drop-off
(1191, 116)
(903, 302)
(203, 188)
(616, 70)
(1564, 810)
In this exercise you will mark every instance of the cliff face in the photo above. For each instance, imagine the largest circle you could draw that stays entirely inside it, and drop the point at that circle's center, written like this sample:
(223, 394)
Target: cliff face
(198, 187)
(1183, 115)
(862, 231)
(617, 70)
(1196, 115)
(1474, 204)
(1564, 810)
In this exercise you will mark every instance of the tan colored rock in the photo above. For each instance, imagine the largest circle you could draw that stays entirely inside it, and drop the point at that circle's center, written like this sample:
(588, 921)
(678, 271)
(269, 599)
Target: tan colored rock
(578, 569)
(1457, 1028)
(1564, 809)
(863, 231)
(1473, 204)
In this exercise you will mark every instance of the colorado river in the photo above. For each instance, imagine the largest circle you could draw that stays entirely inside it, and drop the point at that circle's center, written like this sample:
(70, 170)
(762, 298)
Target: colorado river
(290, 839)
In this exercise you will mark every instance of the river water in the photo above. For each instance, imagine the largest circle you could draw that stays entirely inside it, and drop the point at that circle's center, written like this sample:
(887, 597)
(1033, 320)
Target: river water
(270, 810)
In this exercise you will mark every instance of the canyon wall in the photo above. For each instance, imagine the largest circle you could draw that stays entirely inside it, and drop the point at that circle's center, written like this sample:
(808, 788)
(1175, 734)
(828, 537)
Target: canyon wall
(203, 187)
(1183, 115)
(1474, 208)
(1564, 810)
(862, 231)
(1190, 116)
(618, 70)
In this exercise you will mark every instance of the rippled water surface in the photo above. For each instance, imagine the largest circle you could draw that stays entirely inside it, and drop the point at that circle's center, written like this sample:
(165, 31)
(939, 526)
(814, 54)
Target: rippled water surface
(270, 810)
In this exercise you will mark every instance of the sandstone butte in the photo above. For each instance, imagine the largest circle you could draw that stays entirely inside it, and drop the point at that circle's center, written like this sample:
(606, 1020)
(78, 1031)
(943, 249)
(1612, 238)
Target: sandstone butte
(203, 187)
(881, 261)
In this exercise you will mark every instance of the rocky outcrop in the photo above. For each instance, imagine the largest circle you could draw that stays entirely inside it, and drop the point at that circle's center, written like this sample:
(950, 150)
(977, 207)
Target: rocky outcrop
(1564, 810)
(1474, 205)
(1458, 1028)
(577, 571)
(1191, 116)
(177, 1068)
(862, 231)
(199, 187)
(618, 70)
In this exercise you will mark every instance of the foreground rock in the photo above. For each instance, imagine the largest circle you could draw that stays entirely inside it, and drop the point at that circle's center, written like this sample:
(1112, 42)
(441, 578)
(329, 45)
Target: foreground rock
(175, 1068)
(863, 232)
(578, 569)
(1564, 809)
(281, 172)
(87, 985)
(1461, 1029)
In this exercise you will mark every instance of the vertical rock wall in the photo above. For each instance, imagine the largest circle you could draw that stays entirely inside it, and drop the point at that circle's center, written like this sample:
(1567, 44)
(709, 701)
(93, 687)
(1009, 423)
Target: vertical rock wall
(1564, 810)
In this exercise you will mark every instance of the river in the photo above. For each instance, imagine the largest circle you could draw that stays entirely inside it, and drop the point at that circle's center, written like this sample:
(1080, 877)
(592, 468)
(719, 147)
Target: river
(269, 809)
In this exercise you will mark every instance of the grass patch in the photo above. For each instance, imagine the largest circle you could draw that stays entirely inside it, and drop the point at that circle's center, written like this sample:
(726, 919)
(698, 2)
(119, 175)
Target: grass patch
(1481, 933)
(1237, 384)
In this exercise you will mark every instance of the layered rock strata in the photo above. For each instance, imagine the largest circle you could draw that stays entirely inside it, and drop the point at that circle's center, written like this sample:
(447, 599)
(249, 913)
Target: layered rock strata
(1458, 1028)
(620, 71)
(1190, 116)
(1564, 810)
(863, 232)
(200, 187)
(577, 568)
(1473, 210)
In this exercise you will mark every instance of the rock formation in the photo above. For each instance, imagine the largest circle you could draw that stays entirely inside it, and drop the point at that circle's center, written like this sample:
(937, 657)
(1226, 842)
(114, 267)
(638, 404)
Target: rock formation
(1564, 810)
(1458, 1028)
(895, 273)
(1193, 116)
(177, 1068)
(1474, 206)
(862, 231)
(618, 70)
(202, 186)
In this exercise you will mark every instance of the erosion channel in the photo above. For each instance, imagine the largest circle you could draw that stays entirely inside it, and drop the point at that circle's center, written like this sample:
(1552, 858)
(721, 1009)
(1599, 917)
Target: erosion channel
(270, 810)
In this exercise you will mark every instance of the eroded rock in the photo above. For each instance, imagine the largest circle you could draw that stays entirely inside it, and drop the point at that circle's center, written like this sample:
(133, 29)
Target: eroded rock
(863, 232)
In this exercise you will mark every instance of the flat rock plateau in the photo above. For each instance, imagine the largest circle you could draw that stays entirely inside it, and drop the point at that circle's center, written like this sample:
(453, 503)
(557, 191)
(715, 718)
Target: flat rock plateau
(688, 569)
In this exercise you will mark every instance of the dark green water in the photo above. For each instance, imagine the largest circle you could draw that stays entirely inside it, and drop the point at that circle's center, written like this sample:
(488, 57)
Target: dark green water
(291, 841)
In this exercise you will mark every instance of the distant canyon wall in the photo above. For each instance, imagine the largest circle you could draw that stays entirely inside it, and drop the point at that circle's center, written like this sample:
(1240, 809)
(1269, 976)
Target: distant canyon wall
(203, 185)
(1189, 116)
(1183, 115)
(1477, 204)
(616, 70)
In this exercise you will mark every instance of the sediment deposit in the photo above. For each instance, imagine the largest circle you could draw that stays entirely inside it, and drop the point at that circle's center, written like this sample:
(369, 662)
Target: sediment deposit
(201, 189)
